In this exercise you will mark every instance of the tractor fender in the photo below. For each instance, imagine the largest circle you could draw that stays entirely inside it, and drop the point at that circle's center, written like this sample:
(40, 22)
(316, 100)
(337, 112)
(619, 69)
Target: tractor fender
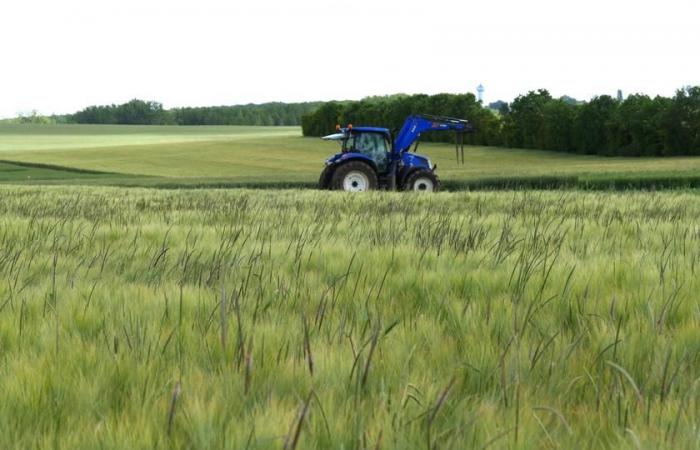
(342, 158)
(324, 181)
(404, 173)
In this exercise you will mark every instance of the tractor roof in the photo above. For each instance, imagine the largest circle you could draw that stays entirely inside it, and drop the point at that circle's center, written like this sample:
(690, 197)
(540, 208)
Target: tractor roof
(371, 129)
(343, 132)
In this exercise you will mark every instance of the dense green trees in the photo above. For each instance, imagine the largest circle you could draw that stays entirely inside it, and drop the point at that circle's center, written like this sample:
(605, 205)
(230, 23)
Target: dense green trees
(135, 112)
(265, 114)
(635, 130)
(636, 126)
(391, 111)
(558, 129)
(323, 120)
(524, 125)
(681, 123)
(152, 113)
(590, 130)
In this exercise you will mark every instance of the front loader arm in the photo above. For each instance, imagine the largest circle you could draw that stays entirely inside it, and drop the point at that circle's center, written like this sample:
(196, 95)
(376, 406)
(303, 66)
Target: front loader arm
(417, 124)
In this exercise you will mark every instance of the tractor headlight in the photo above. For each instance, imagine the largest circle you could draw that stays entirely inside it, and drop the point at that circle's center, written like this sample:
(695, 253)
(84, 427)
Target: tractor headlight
(430, 164)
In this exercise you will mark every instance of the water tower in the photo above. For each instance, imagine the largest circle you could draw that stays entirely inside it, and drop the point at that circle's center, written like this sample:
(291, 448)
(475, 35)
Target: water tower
(480, 92)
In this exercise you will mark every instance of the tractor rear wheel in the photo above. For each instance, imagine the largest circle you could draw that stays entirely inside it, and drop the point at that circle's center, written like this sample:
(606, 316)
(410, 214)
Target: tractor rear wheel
(354, 176)
(422, 181)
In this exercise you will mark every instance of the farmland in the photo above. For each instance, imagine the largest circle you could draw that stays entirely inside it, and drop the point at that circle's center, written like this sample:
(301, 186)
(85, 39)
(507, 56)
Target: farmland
(134, 317)
(142, 318)
(276, 156)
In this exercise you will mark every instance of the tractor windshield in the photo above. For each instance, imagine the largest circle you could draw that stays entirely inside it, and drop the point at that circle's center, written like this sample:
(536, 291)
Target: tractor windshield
(374, 145)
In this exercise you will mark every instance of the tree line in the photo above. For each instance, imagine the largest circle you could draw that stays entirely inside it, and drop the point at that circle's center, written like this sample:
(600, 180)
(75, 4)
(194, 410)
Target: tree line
(636, 126)
(391, 111)
(140, 112)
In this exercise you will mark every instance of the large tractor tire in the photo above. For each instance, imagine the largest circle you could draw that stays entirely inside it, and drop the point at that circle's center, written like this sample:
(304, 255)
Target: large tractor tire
(422, 180)
(354, 176)
(324, 181)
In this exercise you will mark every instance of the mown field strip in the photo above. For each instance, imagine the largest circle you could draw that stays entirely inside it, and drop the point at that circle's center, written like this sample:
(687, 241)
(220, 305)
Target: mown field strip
(274, 156)
(24, 138)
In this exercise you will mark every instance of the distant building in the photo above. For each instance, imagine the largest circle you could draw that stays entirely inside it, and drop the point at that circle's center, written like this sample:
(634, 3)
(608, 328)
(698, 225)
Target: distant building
(619, 95)
(480, 92)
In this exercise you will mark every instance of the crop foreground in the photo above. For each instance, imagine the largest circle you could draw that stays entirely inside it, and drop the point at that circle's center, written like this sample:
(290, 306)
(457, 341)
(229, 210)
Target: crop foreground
(133, 318)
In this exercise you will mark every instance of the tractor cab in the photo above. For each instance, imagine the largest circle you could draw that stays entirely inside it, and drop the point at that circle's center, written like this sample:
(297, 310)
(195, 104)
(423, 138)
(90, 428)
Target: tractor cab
(370, 142)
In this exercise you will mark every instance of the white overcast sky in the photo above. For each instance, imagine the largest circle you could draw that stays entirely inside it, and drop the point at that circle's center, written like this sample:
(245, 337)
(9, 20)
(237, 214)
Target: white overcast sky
(60, 56)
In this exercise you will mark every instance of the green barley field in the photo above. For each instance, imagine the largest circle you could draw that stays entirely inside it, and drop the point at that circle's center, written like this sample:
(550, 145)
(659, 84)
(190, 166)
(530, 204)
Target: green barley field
(133, 317)
(137, 318)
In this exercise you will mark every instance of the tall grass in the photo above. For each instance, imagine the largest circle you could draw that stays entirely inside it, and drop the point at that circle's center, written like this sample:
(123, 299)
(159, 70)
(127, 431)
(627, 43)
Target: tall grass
(135, 318)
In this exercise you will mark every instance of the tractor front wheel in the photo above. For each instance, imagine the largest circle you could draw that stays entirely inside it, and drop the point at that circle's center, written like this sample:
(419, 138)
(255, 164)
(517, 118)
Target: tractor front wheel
(422, 181)
(354, 176)
(324, 181)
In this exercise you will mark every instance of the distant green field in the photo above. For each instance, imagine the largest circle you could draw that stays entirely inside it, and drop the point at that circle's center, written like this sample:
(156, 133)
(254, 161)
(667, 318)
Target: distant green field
(170, 155)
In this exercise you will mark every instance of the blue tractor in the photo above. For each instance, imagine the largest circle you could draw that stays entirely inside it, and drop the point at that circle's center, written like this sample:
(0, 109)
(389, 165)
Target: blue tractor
(370, 160)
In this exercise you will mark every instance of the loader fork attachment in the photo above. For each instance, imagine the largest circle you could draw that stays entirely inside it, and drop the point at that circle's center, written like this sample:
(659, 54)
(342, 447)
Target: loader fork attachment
(459, 146)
